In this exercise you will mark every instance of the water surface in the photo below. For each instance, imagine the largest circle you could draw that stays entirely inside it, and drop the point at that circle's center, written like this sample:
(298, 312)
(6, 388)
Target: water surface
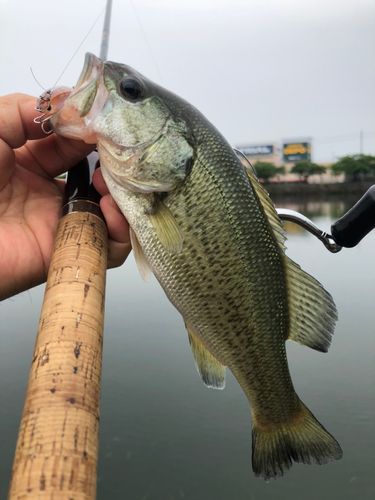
(164, 436)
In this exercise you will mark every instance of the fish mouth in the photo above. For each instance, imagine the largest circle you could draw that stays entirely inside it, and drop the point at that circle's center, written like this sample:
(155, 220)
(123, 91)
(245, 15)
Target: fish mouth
(83, 104)
(83, 116)
(91, 71)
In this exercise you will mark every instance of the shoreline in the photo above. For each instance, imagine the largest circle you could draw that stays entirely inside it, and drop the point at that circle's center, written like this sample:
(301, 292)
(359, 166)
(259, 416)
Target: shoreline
(303, 189)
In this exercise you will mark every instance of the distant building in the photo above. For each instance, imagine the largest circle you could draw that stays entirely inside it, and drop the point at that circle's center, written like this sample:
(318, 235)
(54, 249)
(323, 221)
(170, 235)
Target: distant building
(290, 152)
(261, 152)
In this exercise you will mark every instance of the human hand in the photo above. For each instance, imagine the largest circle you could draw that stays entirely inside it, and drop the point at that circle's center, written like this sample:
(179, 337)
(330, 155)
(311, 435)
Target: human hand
(30, 197)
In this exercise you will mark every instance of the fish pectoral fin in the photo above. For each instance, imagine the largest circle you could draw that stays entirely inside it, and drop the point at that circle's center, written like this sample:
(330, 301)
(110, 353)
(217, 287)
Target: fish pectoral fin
(209, 368)
(166, 228)
(311, 309)
(140, 258)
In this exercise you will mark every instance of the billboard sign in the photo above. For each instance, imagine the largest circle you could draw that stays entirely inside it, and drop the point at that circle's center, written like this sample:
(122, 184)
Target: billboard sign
(297, 151)
(261, 150)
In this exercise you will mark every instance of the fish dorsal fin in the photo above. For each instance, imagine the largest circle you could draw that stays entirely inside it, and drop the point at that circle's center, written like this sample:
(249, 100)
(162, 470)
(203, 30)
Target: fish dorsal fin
(268, 207)
(312, 312)
(140, 258)
(209, 368)
(166, 229)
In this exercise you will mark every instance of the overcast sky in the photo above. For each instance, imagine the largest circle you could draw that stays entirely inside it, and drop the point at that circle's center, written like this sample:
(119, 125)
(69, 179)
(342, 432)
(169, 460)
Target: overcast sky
(260, 70)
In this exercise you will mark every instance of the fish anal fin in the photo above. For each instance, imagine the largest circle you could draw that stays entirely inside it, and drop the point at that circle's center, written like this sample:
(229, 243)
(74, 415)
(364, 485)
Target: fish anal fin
(303, 439)
(209, 368)
(166, 228)
(140, 258)
(312, 311)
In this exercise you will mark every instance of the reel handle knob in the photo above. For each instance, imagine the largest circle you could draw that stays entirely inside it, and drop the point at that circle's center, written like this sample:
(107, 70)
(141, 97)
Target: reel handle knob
(357, 223)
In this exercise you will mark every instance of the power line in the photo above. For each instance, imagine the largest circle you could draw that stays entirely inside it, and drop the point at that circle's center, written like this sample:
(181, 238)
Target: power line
(342, 138)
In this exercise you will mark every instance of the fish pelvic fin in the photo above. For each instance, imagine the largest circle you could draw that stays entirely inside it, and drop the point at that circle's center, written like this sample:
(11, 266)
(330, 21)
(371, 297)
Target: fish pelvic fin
(140, 258)
(302, 440)
(209, 368)
(312, 311)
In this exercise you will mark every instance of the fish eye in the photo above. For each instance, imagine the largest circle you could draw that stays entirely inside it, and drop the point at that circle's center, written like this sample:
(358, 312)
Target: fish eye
(131, 88)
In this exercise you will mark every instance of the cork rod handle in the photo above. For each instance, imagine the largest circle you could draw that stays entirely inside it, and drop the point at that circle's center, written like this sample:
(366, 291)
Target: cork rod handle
(57, 449)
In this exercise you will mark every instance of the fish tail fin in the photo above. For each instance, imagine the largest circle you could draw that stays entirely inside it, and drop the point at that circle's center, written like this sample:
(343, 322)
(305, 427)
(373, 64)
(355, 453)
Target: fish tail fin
(303, 439)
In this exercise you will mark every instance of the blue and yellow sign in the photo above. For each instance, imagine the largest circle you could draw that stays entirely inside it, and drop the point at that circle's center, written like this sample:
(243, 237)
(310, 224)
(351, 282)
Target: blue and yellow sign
(297, 151)
(261, 150)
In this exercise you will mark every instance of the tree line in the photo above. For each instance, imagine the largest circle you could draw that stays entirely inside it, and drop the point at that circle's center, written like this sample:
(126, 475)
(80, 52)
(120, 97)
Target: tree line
(355, 167)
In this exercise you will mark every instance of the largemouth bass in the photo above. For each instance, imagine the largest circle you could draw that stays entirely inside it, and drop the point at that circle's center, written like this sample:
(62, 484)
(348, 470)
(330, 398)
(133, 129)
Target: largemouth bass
(202, 223)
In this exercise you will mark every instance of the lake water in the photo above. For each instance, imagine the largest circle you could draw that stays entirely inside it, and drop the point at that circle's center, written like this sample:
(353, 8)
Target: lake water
(164, 436)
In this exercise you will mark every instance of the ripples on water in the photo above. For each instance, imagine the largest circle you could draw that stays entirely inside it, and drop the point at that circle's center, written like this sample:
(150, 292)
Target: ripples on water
(164, 436)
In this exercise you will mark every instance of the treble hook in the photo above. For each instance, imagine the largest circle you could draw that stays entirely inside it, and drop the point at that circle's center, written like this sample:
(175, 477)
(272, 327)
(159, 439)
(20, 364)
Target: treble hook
(43, 106)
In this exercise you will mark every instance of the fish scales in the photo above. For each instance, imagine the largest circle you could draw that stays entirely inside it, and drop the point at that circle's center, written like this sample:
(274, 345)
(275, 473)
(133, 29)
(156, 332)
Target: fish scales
(230, 312)
(241, 325)
(211, 236)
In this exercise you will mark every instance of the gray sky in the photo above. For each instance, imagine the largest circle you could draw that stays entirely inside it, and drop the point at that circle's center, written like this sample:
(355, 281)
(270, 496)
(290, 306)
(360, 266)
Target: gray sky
(260, 70)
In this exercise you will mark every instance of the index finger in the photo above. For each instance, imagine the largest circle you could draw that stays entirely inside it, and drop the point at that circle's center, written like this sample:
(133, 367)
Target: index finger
(54, 154)
(17, 113)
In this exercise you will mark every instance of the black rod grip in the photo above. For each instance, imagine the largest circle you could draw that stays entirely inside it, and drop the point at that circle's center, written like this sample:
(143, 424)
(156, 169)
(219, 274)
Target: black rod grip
(80, 194)
(355, 224)
(79, 184)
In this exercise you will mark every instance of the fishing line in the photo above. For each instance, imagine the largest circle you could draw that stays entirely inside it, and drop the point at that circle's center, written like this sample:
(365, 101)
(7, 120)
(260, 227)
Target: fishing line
(147, 42)
(80, 45)
(71, 59)
(41, 86)
(43, 103)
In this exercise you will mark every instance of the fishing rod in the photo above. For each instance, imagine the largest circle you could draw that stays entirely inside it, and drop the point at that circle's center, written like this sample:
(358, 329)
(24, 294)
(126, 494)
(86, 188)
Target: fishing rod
(57, 449)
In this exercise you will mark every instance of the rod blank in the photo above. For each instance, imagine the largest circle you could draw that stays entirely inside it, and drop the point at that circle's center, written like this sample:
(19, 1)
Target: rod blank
(105, 35)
